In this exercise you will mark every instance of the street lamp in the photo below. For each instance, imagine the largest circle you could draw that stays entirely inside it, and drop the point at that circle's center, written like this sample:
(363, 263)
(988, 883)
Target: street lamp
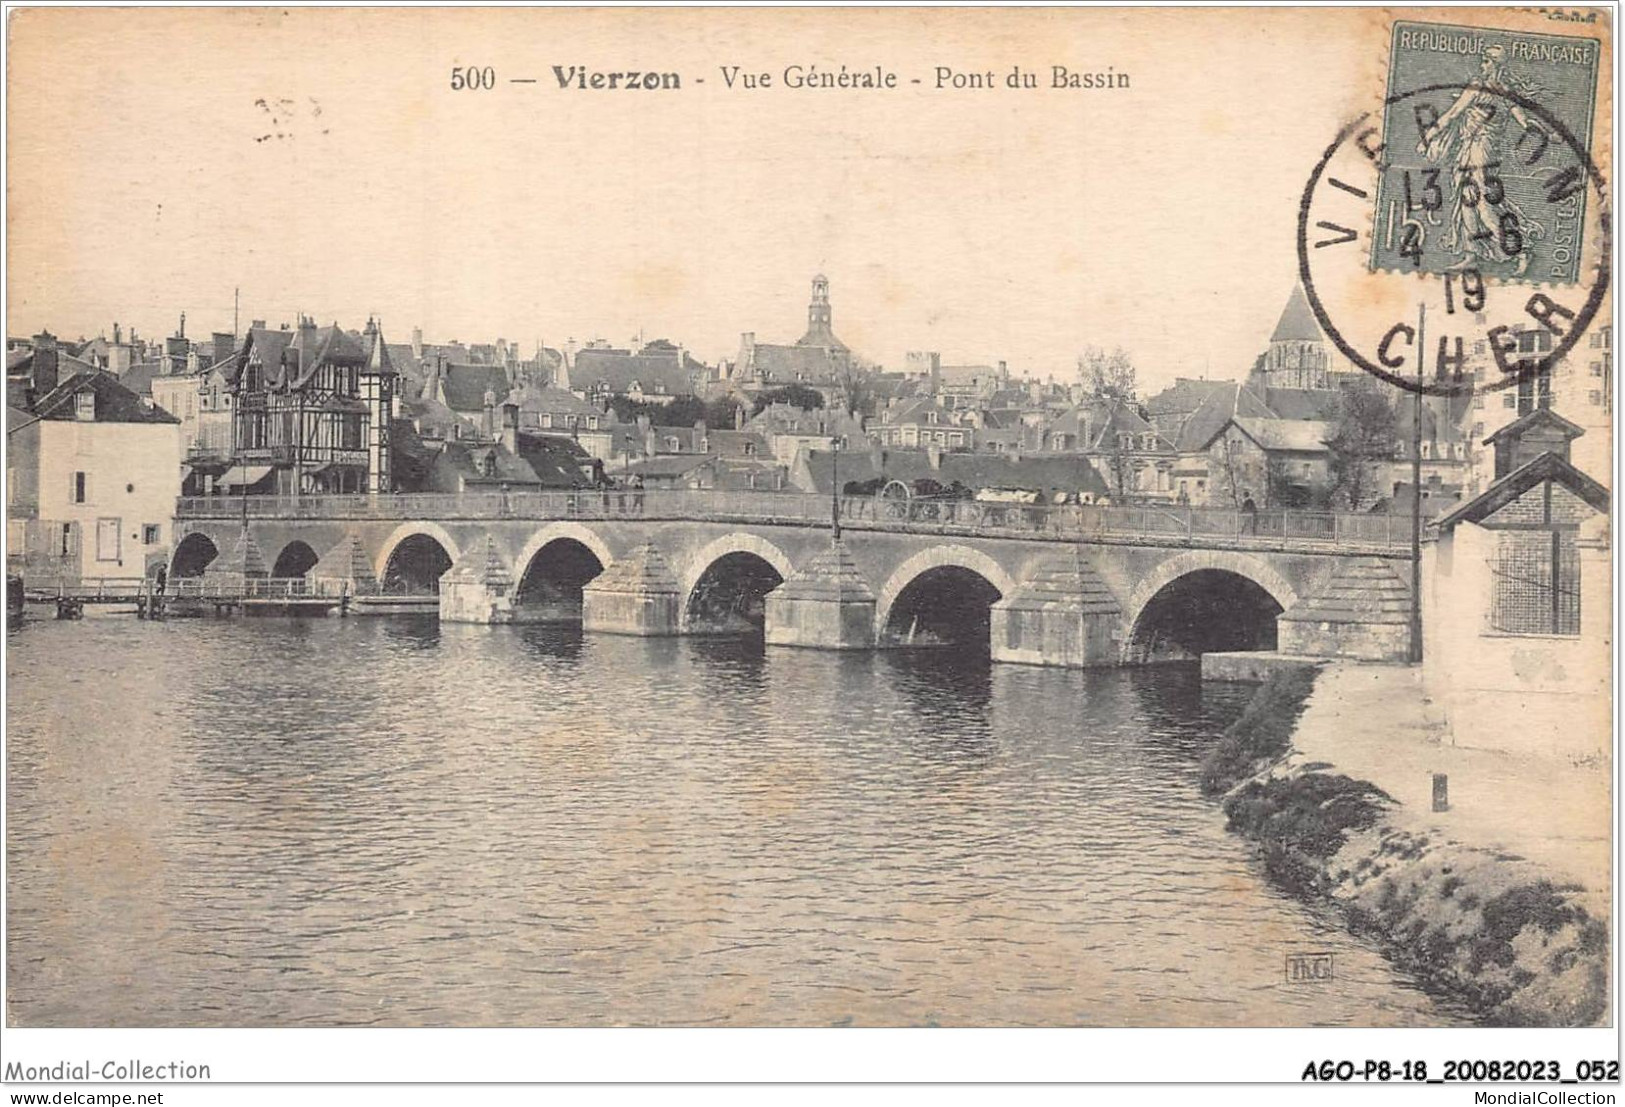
(835, 488)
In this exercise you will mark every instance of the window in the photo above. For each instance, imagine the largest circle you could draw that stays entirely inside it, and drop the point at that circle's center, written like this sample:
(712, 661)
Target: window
(1596, 367)
(1427, 450)
(84, 405)
(1478, 401)
(67, 539)
(151, 534)
(1537, 583)
(1509, 400)
(81, 488)
(107, 539)
(1595, 397)
(1478, 432)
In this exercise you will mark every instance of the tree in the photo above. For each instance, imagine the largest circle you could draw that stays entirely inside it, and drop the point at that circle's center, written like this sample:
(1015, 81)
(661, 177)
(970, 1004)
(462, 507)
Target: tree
(1364, 435)
(856, 384)
(796, 395)
(1108, 382)
(1108, 377)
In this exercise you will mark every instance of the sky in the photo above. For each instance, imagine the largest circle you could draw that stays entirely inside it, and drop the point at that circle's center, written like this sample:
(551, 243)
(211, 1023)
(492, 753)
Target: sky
(319, 161)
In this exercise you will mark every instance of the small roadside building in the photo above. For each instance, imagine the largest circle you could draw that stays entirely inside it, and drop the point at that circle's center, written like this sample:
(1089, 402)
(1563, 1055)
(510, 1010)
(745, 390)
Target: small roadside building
(1517, 602)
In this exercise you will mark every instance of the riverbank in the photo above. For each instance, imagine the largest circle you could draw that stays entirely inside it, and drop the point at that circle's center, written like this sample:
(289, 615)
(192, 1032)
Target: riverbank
(1500, 900)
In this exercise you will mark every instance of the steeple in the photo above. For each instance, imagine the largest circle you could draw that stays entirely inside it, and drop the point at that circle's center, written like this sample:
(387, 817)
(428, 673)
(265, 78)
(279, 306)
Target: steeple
(820, 318)
(1297, 356)
(818, 312)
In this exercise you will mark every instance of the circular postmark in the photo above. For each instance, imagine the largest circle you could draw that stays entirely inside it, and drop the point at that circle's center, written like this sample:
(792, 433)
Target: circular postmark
(1475, 271)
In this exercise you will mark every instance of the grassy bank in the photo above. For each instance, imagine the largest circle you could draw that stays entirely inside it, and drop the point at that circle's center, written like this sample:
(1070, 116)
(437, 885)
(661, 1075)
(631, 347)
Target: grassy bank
(1488, 928)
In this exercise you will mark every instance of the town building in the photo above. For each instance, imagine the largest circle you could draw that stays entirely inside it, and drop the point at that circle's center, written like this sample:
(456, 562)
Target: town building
(788, 430)
(657, 373)
(925, 421)
(92, 473)
(311, 409)
(818, 359)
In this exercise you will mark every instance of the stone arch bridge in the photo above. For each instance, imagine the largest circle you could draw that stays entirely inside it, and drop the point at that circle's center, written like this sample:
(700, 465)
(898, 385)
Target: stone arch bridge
(1071, 585)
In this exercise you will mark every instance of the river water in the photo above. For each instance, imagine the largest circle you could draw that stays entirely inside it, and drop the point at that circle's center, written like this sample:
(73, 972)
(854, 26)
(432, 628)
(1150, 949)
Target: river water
(392, 822)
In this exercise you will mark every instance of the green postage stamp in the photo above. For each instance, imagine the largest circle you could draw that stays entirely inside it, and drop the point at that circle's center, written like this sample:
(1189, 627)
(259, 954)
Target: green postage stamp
(1487, 138)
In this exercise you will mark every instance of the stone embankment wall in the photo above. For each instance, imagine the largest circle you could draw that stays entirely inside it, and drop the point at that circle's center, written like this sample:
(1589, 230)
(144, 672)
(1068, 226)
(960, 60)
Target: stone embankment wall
(1492, 930)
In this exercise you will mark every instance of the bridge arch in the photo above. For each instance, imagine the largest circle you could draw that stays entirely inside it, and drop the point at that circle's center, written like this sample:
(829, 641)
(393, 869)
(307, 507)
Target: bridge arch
(192, 555)
(551, 569)
(296, 559)
(407, 533)
(942, 561)
(564, 529)
(1247, 585)
(741, 565)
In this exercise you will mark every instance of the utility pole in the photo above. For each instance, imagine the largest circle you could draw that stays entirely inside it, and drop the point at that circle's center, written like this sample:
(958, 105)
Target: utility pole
(835, 489)
(236, 304)
(1415, 652)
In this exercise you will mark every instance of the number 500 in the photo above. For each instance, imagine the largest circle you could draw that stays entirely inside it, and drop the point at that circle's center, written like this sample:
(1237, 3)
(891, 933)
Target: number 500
(473, 76)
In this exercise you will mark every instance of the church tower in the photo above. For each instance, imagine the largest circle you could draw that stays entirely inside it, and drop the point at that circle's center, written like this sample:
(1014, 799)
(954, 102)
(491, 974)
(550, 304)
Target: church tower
(1297, 356)
(820, 319)
(818, 314)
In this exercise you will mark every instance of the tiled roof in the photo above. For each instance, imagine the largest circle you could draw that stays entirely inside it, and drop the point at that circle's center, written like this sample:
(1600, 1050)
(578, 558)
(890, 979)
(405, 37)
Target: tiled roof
(114, 402)
(1184, 396)
(462, 461)
(1288, 435)
(668, 465)
(555, 459)
(464, 386)
(1303, 403)
(786, 364)
(138, 378)
(1547, 466)
(555, 401)
(739, 444)
(655, 374)
(1203, 425)
(1298, 323)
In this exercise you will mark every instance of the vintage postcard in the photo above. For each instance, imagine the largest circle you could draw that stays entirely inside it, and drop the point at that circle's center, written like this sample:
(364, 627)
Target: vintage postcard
(811, 518)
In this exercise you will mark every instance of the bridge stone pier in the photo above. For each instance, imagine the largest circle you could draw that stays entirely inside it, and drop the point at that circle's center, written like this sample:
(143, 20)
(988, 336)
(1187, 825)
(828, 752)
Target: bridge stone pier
(1030, 585)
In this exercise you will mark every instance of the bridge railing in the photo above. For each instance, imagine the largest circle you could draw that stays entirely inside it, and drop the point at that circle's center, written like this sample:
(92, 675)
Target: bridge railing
(256, 588)
(1067, 521)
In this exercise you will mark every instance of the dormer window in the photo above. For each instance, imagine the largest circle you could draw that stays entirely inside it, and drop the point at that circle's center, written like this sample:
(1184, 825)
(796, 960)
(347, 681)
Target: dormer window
(84, 405)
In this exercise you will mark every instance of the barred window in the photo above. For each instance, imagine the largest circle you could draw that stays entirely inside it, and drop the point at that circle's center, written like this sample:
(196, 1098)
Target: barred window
(1537, 583)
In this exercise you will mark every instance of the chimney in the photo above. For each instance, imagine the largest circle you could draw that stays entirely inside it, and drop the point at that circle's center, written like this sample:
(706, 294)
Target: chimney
(224, 344)
(46, 372)
(417, 343)
(488, 420)
(116, 339)
(510, 427)
(432, 385)
(739, 416)
(701, 438)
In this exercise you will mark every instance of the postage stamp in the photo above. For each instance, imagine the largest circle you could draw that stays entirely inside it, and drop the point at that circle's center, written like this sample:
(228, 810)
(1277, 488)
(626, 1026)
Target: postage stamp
(1475, 178)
